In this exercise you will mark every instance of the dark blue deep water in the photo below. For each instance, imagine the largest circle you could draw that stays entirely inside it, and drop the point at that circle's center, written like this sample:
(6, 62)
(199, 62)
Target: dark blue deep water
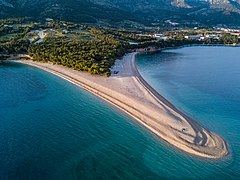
(51, 129)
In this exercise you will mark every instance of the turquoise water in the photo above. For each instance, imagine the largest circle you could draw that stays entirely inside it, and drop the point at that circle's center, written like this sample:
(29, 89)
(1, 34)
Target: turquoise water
(204, 82)
(51, 129)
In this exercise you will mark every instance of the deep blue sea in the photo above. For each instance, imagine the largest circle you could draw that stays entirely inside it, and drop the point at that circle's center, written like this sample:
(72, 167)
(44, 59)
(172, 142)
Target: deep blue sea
(51, 129)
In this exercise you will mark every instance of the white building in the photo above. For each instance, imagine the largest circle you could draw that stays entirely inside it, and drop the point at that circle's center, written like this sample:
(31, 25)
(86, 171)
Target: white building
(194, 37)
(213, 36)
(49, 19)
(160, 36)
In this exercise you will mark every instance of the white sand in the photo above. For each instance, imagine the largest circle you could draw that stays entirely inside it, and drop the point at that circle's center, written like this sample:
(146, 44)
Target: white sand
(130, 92)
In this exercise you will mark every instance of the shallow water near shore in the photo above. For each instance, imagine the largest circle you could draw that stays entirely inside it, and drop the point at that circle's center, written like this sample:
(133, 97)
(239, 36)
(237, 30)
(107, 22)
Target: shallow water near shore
(51, 129)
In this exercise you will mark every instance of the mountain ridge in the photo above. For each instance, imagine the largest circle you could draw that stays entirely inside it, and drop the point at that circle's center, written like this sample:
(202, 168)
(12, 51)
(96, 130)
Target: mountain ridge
(194, 11)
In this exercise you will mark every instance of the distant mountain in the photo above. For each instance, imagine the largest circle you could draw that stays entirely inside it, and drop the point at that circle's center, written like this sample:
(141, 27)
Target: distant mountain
(112, 11)
(70, 10)
(204, 11)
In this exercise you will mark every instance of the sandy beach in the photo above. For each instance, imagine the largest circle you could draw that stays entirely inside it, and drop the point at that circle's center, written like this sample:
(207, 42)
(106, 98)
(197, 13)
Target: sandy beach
(129, 91)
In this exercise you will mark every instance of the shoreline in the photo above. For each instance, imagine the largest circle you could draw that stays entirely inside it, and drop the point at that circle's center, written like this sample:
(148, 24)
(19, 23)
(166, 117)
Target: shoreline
(131, 93)
(194, 45)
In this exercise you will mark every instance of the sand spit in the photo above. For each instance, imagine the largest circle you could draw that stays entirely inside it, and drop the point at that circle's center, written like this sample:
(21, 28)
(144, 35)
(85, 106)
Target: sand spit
(130, 92)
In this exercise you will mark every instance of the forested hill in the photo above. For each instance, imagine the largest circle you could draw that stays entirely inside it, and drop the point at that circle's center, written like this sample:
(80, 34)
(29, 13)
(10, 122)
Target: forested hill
(116, 11)
(70, 10)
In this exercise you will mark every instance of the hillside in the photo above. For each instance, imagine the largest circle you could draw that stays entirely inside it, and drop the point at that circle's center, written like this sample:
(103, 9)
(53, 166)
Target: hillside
(71, 10)
(114, 11)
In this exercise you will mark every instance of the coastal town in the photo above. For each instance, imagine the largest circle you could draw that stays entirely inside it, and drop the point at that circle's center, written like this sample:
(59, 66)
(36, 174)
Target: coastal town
(195, 34)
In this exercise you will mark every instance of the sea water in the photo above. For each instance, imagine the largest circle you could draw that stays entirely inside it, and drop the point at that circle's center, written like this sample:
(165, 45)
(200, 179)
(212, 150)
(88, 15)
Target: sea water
(51, 129)
(203, 82)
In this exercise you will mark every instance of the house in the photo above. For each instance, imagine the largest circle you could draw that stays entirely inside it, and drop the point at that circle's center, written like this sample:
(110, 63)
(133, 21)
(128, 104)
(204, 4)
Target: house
(133, 43)
(213, 36)
(235, 33)
(49, 19)
(193, 37)
(65, 31)
(172, 23)
(160, 36)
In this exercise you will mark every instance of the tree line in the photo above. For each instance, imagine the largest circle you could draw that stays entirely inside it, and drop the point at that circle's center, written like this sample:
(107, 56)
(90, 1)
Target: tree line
(95, 56)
